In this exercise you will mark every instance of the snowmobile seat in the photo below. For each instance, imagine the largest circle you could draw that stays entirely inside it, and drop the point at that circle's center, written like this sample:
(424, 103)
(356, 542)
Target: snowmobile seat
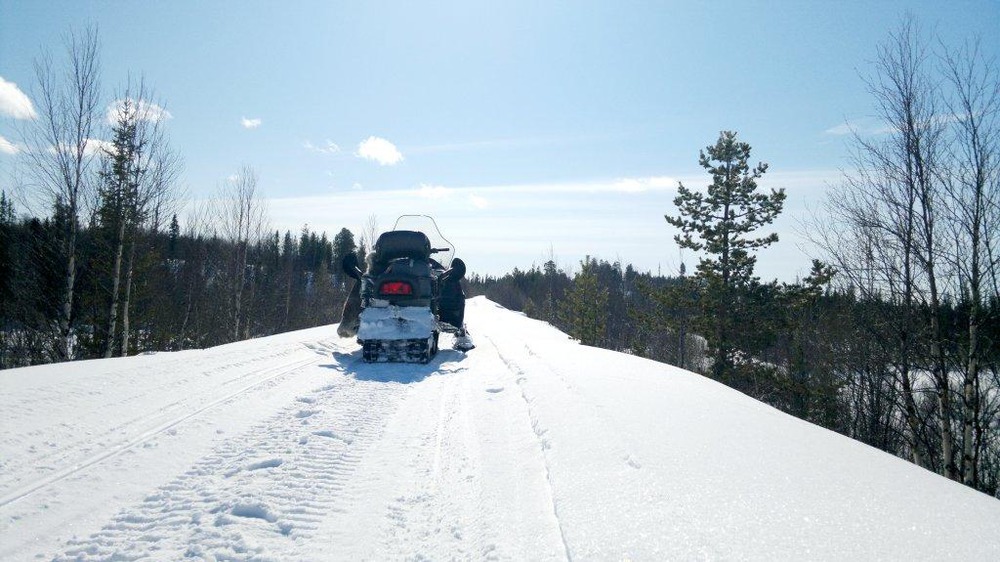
(400, 244)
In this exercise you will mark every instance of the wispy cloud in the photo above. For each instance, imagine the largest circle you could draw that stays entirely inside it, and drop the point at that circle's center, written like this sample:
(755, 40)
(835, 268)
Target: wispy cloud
(329, 148)
(14, 103)
(142, 109)
(500, 226)
(7, 147)
(250, 123)
(631, 185)
(506, 144)
(839, 130)
(91, 147)
(433, 191)
(441, 193)
(379, 150)
(639, 185)
(479, 202)
(98, 146)
(864, 127)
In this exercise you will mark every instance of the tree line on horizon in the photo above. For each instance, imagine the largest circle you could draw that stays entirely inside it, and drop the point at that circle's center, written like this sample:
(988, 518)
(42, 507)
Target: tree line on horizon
(189, 289)
(892, 339)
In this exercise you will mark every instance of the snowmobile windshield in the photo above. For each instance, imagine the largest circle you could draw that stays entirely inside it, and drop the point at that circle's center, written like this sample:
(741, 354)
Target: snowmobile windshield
(443, 251)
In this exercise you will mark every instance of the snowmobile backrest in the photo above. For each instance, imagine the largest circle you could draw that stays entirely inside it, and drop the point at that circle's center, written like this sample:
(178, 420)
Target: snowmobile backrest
(402, 244)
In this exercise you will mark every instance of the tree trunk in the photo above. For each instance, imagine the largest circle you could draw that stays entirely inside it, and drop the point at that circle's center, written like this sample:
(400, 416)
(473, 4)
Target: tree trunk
(115, 290)
(129, 270)
(66, 313)
(944, 399)
(912, 421)
(969, 402)
(239, 280)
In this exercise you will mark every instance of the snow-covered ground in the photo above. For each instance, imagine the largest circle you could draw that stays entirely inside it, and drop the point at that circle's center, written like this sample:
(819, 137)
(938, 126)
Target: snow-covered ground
(530, 447)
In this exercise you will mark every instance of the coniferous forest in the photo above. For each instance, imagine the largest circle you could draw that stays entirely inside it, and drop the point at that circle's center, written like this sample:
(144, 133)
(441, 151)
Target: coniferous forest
(893, 338)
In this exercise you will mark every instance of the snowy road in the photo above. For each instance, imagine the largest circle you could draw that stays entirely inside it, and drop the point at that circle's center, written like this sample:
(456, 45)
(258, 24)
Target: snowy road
(529, 447)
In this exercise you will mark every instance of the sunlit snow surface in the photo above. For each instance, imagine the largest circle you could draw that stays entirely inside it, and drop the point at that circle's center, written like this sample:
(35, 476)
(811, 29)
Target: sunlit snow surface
(531, 447)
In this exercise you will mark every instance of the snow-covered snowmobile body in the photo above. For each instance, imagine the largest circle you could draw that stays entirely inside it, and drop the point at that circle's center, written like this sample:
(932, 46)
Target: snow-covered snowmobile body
(410, 274)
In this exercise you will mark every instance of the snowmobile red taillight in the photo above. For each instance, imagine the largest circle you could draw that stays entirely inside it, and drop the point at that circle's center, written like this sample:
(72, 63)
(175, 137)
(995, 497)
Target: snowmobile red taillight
(396, 288)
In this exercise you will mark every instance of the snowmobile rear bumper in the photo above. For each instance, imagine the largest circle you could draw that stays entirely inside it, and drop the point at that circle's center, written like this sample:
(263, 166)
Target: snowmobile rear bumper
(406, 334)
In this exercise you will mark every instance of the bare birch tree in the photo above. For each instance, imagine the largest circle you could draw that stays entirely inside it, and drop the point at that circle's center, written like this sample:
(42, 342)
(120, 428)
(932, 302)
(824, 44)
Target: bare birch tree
(62, 147)
(242, 221)
(912, 156)
(974, 202)
(915, 225)
(366, 244)
(885, 239)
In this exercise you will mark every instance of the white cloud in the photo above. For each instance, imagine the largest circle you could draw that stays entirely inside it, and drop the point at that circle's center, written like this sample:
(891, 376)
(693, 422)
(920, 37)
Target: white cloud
(639, 185)
(91, 147)
(357, 186)
(433, 191)
(329, 148)
(379, 150)
(145, 111)
(479, 202)
(7, 147)
(96, 147)
(14, 103)
(250, 123)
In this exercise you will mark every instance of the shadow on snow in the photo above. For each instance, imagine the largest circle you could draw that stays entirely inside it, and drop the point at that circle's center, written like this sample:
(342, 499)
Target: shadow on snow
(351, 364)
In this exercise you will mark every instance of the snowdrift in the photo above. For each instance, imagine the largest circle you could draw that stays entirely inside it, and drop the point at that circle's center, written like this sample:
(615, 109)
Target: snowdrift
(529, 447)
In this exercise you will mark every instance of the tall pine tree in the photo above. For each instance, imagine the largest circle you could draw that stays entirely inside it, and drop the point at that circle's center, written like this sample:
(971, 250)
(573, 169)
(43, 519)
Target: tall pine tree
(719, 223)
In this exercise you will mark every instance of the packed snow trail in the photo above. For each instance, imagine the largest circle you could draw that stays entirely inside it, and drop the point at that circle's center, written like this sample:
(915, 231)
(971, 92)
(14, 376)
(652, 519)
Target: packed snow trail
(529, 447)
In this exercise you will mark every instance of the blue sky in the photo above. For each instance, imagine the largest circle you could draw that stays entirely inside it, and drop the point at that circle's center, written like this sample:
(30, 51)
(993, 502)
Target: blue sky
(527, 128)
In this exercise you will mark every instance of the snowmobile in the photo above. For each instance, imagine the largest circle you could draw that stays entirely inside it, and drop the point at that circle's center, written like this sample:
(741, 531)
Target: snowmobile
(410, 293)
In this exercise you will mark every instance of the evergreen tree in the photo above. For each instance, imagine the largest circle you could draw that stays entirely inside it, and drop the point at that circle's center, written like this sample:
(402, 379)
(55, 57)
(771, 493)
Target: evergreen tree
(719, 223)
(122, 169)
(174, 236)
(343, 244)
(8, 273)
(585, 308)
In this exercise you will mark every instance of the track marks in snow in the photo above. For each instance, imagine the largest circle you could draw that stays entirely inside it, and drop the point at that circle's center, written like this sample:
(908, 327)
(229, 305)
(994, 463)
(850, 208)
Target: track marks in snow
(143, 430)
(437, 510)
(540, 434)
(258, 495)
(546, 387)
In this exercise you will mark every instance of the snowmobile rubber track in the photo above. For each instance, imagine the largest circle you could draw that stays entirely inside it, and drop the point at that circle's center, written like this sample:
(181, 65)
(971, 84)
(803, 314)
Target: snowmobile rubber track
(399, 351)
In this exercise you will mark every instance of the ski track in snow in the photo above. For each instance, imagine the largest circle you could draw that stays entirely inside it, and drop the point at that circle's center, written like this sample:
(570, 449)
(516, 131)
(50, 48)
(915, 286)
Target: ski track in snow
(540, 432)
